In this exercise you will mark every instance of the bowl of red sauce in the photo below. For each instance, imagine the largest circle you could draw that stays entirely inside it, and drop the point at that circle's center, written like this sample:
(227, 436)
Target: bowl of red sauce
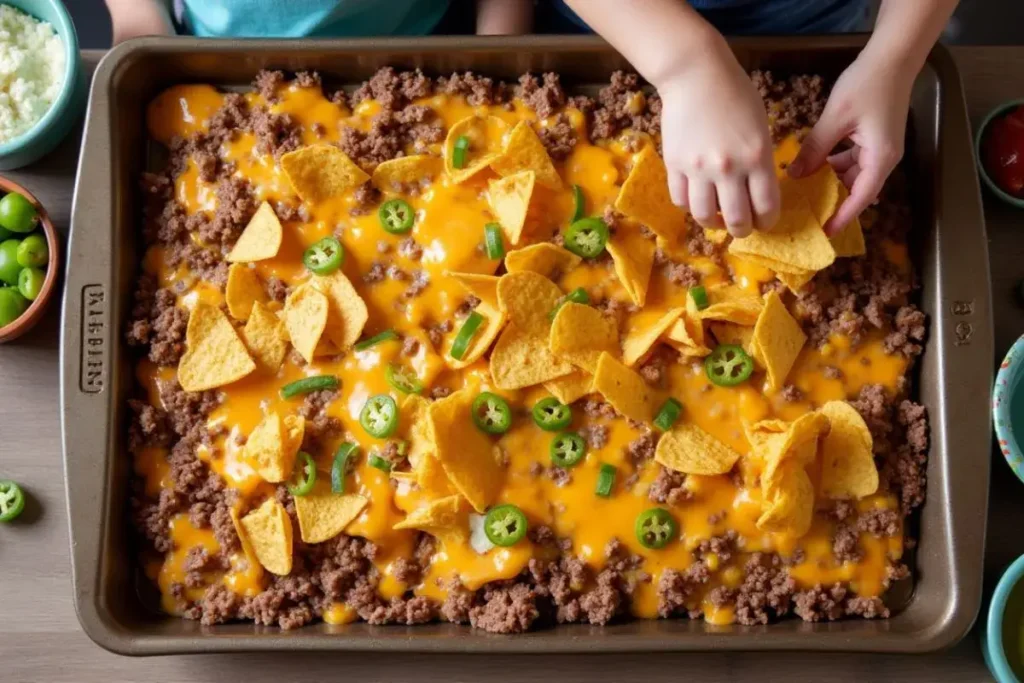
(999, 147)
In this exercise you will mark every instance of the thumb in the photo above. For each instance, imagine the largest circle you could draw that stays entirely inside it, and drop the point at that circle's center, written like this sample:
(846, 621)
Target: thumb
(816, 147)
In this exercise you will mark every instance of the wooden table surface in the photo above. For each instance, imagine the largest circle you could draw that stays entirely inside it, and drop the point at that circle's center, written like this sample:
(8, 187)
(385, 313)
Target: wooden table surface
(40, 639)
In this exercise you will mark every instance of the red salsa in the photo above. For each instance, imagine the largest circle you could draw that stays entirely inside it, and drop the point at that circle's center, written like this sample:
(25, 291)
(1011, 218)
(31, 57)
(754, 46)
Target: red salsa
(1003, 152)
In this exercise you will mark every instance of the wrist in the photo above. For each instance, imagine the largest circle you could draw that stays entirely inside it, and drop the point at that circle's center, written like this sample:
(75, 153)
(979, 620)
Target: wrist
(701, 47)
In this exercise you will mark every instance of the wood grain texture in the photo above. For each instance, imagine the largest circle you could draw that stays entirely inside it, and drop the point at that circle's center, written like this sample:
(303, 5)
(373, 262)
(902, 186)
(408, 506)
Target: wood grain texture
(40, 639)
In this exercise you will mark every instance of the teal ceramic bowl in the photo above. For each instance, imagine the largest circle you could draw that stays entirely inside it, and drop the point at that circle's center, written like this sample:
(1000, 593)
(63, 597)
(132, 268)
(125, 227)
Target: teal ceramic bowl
(1008, 407)
(1003, 643)
(1002, 109)
(67, 108)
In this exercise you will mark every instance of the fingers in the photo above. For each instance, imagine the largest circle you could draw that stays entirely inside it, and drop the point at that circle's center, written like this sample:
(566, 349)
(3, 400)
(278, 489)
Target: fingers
(734, 201)
(865, 180)
(704, 202)
(819, 143)
(677, 189)
(842, 162)
(764, 198)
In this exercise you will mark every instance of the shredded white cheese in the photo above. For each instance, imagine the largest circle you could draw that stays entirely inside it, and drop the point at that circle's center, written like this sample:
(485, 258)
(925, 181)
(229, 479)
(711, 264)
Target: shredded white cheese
(31, 71)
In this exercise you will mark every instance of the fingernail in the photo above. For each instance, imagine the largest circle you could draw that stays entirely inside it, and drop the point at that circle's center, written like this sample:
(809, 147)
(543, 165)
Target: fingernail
(795, 169)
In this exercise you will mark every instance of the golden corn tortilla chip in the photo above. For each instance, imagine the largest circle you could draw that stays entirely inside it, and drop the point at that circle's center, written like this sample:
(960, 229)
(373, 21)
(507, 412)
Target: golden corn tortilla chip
(486, 135)
(466, 455)
(272, 445)
(431, 477)
(305, 319)
(689, 449)
(790, 508)
(269, 532)
(417, 431)
(525, 152)
(347, 312)
(247, 549)
(326, 347)
(680, 337)
(580, 334)
(445, 518)
(850, 241)
(731, 333)
(261, 238)
(263, 336)
(797, 444)
(623, 388)
(509, 199)
(821, 189)
(483, 287)
(323, 514)
(522, 359)
(320, 172)
(633, 256)
(528, 298)
(644, 196)
(795, 282)
(645, 328)
(731, 304)
(550, 260)
(394, 175)
(797, 240)
(214, 353)
(572, 387)
(778, 339)
(716, 235)
(494, 322)
(243, 289)
(847, 463)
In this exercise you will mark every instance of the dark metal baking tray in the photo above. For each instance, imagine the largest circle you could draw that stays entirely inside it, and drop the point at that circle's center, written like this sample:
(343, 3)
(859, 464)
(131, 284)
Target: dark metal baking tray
(954, 373)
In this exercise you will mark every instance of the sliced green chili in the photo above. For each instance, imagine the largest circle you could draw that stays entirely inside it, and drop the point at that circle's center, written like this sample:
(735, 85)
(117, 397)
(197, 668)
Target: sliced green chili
(386, 335)
(552, 415)
(12, 500)
(339, 467)
(308, 385)
(460, 152)
(494, 242)
(379, 416)
(491, 413)
(700, 297)
(655, 528)
(577, 296)
(579, 203)
(324, 257)
(587, 237)
(303, 476)
(728, 365)
(668, 414)
(605, 480)
(505, 525)
(402, 379)
(396, 216)
(376, 461)
(567, 449)
(465, 335)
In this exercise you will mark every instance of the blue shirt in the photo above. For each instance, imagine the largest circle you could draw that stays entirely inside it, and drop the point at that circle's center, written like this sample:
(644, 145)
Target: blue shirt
(766, 17)
(316, 18)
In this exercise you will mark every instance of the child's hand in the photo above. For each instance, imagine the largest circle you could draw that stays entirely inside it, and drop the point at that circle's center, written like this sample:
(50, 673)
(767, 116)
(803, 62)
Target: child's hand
(868, 105)
(716, 145)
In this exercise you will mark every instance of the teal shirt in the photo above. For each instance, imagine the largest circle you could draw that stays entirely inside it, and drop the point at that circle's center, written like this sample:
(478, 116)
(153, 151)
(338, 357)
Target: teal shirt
(315, 18)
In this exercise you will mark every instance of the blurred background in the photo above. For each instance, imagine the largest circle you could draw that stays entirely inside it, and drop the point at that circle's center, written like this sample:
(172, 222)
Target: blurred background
(992, 22)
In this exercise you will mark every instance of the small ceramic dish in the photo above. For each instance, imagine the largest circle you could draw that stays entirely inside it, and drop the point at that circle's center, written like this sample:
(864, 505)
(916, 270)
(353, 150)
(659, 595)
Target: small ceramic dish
(66, 109)
(27, 320)
(1008, 407)
(1003, 640)
(1001, 110)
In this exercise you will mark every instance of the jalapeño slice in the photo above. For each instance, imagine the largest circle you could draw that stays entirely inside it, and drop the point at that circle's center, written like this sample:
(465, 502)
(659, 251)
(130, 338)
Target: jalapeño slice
(655, 528)
(12, 500)
(551, 415)
(339, 467)
(324, 257)
(303, 476)
(308, 385)
(605, 480)
(396, 216)
(668, 414)
(493, 241)
(491, 413)
(379, 416)
(505, 525)
(402, 379)
(386, 335)
(465, 335)
(579, 203)
(728, 365)
(587, 237)
(460, 152)
(567, 449)
(700, 297)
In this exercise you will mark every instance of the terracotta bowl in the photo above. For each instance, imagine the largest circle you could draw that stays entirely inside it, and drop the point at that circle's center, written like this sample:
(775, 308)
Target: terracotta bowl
(34, 312)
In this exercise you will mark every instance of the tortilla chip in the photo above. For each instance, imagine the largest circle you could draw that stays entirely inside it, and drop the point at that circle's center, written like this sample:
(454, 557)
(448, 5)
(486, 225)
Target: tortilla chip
(580, 334)
(731, 304)
(247, 549)
(417, 433)
(243, 290)
(570, 388)
(731, 333)
(633, 256)
(528, 298)
(445, 518)
(847, 464)
(319, 172)
(644, 331)
(850, 241)
(323, 514)
(545, 258)
(272, 445)
(525, 152)
(717, 236)
(494, 322)
(431, 477)
(305, 319)
(269, 532)
(214, 353)
(797, 444)
(347, 313)
(483, 287)
(821, 189)
(522, 359)
(486, 141)
(689, 449)
(261, 238)
(790, 508)
(797, 281)
(644, 196)
(263, 336)
(778, 339)
(623, 388)
(797, 241)
(394, 175)
(467, 455)
(509, 199)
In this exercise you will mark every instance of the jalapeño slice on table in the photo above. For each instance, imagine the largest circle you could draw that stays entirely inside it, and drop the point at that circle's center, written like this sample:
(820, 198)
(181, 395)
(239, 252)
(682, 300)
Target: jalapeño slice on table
(728, 365)
(386, 335)
(655, 528)
(577, 296)
(465, 335)
(551, 415)
(402, 379)
(505, 525)
(12, 500)
(493, 241)
(460, 152)
(567, 449)
(379, 416)
(308, 385)
(587, 237)
(303, 476)
(339, 467)
(700, 297)
(491, 413)
(578, 203)
(668, 414)
(605, 480)
(324, 257)
(396, 216)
